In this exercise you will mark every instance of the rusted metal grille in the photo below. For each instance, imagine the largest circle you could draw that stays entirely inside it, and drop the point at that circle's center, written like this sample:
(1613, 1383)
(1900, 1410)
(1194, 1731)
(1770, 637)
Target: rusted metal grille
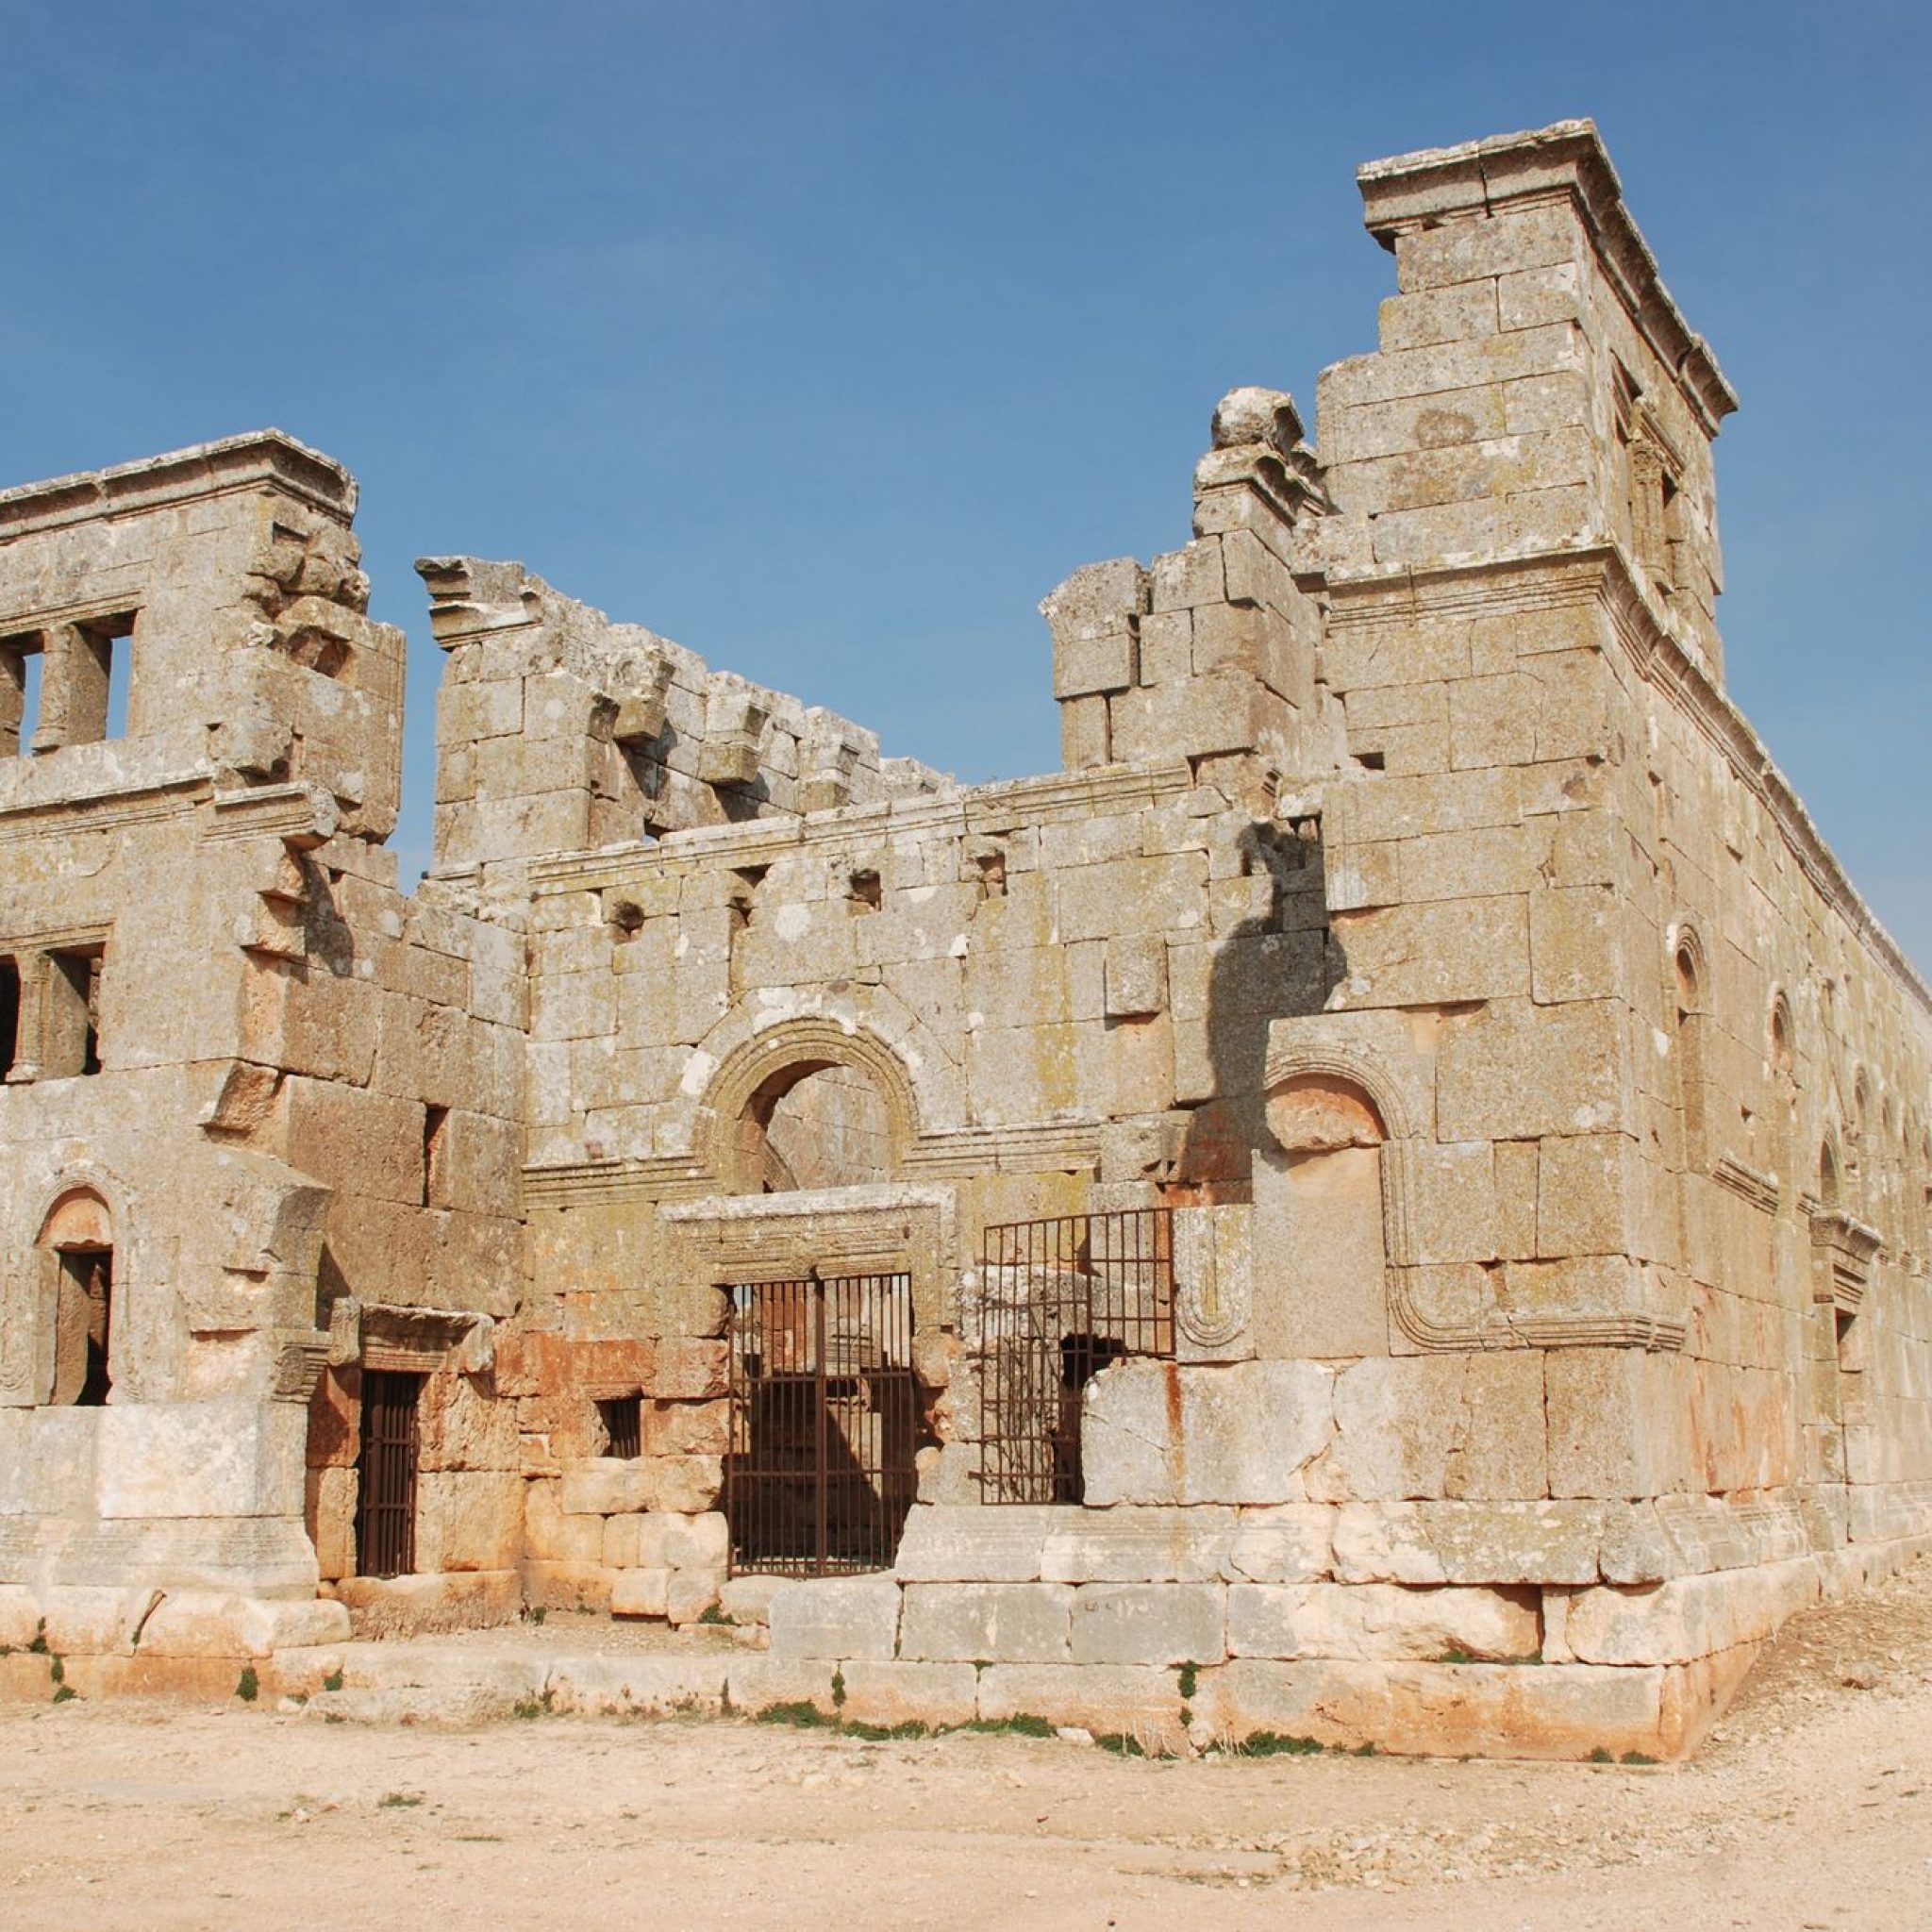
(624, 1425)
(824, 1420)
(1057, 1301)
(386, 1514)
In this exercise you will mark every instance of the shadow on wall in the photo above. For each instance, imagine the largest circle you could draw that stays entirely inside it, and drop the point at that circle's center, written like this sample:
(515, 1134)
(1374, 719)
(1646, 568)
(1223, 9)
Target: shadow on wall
(1279, 963)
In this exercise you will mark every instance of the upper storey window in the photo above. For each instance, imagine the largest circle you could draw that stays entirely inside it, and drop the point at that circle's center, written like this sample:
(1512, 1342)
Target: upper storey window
(65, 683)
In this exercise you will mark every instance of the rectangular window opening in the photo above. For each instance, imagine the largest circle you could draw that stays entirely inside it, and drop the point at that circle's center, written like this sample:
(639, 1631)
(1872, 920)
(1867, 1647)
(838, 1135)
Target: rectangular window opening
(20, 692)
(623, 1427)
(117, 637)
(386, 1507)
(71, 1040)
(9, 1015)
(435, 1135)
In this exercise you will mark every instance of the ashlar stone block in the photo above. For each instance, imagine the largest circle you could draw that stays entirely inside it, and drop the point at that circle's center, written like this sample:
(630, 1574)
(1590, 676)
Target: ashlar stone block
(1014, 1623)
(1148, 1624)
(1369, 1621)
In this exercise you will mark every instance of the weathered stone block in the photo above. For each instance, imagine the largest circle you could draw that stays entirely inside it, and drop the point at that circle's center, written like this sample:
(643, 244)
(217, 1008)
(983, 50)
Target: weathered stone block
(640, 1593)
(1124, 1699)
(969, 1543)
(1161, 1433)
(1148, 1624)
(897, 1694)
(1292, 1543)
(836, 1617)
(1367, 1620)
(1130, 1545)
(1017, 1622)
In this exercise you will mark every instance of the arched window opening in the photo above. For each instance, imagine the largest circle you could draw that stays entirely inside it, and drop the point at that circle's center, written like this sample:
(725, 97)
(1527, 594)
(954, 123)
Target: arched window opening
(79, 1238)
(1830, 1184)
(1692, 1097)
(815, 1124)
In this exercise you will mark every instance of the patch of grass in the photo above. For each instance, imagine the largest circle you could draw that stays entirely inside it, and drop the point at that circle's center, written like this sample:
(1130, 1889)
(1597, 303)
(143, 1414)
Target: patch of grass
(882, 1734)
(64, 1693)
(837, 1690)
(38, 1646)
(398, 1800)
(248, 1686)
(801, 1715)
(478, 1838)
(58, 1671)
(533, 1707)
(1021, 1724)
(1278, 1744)
(1367, 1750)
(538, 1613)
(333, 1681)
(1600, 1757)
(1638, 1758)
(713, 1613)
(1190, 1679)
(1121, 1744)
(1456, 1654)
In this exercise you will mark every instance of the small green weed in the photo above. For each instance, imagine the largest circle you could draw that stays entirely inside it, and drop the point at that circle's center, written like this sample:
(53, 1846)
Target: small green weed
(1190, 1679)
(1021, 1724)
(837, 1690)
(38, 1646)
(527, 1707)
(64, 1693)
(333, 1681)
(713, 1613)
(248, 1686)
(539, 1613)
(882, 1734)
(1456, 1654)
(1601, 1756)
(1638, 1758)
(398, 1800)
(1121, 1744)
(801, 1715)
(58, 1671)
(1278, 1744)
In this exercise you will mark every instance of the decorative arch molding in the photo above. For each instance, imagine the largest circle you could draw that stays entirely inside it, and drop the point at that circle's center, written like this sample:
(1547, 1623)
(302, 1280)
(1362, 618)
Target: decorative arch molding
(799, 1047)
(1472, 1324)
(26, 1319)
(1686, 942)
(1402, 1117)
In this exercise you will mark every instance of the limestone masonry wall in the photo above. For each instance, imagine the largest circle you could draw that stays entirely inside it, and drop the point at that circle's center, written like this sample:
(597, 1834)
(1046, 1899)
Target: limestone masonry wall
(1388, 1200)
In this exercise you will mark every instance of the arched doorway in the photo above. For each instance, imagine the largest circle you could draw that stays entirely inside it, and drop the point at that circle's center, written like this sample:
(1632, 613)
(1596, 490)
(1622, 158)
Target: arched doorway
(78, 1240)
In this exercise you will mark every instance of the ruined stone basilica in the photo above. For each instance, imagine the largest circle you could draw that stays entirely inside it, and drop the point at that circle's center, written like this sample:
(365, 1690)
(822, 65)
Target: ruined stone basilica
(1388, 1200)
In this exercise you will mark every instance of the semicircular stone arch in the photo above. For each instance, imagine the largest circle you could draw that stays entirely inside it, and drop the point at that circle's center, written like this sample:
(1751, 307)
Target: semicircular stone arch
(754, 1079)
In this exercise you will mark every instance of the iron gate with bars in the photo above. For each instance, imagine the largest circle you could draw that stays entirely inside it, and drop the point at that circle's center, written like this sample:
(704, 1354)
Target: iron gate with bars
(1059, 1301)
(826, 1414)
(385, 1508)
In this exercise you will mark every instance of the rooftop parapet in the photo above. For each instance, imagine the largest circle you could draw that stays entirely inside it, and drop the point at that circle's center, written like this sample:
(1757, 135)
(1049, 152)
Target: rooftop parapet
(1566, 161)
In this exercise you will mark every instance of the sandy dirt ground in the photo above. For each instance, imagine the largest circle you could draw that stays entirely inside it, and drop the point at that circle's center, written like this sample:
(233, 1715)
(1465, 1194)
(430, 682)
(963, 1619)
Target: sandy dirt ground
(1811, 1806)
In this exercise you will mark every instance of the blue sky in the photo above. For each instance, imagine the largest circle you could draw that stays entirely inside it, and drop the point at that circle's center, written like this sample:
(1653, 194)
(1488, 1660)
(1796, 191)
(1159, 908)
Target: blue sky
(827, 339)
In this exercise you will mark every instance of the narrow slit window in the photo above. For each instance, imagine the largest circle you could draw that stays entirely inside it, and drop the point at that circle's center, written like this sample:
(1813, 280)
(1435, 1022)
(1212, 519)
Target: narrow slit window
(9, 1015)
(435, 1157)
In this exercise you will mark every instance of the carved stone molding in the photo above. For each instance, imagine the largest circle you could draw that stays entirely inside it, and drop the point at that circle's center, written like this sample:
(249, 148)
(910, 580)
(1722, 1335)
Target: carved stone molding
(1214, 1285)
(729, 1240)
(1843, 1251)
(1747, 1183)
